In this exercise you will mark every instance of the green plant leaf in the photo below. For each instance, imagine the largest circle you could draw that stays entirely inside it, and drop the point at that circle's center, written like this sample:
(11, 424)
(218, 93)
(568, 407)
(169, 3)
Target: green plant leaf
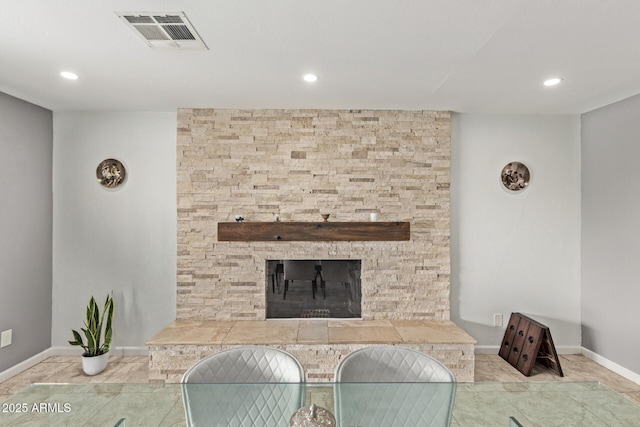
(108, 331)
(78, 340)
(77, 337)
(94, 327)
(91, 342)
(93, 323)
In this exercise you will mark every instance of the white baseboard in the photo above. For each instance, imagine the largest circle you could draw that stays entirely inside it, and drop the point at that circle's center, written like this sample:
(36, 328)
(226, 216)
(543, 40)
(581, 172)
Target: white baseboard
(495, 349)
(23, 366)
(66, 351)
(612, 366)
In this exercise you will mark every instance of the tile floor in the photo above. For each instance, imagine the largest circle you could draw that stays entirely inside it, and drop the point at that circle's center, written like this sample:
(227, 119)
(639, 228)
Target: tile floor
(68, 369)
(488, 368)
(576, 368)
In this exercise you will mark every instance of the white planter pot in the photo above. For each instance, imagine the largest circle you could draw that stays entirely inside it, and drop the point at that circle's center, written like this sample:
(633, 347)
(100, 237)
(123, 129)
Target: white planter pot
(94, 365)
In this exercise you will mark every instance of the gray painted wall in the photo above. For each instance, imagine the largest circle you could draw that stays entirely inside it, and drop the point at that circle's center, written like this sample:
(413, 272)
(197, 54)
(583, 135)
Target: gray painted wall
(26, 139)
(516, 252)
(611, 232)
(114, 240)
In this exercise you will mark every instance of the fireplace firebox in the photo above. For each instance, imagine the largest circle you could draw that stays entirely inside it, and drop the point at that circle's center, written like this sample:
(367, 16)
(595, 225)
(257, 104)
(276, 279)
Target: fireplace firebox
(325, 288)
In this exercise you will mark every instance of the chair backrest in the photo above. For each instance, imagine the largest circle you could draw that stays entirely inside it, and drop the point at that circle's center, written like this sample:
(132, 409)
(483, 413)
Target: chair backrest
(385, 386)
(391, 364)
(243, 387)
(251, 364)
(299, 269)
(336, 271)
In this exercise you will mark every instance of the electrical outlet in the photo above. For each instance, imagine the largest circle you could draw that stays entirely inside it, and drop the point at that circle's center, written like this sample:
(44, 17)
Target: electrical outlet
(497, 320)
(5, 338)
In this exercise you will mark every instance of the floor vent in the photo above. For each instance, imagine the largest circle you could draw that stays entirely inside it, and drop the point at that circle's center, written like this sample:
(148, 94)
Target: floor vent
(164, 30)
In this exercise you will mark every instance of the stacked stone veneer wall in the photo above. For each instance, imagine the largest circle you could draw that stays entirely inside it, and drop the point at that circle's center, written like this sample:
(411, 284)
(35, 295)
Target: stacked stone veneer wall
(169, 363)
(299, 164)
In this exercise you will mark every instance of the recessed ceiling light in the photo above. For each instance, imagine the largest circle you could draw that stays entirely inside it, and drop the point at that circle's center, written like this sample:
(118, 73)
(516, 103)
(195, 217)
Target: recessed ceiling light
(310, 78)
(69, 75)
(553, 81)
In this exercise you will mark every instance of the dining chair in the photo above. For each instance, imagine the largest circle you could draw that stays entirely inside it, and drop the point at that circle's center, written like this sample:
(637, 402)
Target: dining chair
(301, 270)
(243, 387)
(385, 386)
(336, 271)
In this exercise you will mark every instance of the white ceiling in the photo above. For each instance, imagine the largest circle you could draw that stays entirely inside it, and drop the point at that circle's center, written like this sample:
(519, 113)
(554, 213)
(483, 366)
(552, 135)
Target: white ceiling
(459, 55)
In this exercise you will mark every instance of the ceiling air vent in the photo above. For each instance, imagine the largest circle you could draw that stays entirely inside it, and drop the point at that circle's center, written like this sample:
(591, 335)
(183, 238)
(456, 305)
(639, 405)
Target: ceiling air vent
(163, 30)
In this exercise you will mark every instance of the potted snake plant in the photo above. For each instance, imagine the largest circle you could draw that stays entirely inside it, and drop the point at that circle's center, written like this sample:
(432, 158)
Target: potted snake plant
(96, 350)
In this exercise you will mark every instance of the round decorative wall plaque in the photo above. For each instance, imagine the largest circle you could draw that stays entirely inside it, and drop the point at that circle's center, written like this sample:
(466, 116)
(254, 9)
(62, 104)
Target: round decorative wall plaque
(110, 173)
(515, 176)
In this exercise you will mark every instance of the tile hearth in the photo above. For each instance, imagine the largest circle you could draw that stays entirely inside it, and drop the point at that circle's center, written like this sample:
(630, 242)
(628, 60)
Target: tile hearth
(318, 344)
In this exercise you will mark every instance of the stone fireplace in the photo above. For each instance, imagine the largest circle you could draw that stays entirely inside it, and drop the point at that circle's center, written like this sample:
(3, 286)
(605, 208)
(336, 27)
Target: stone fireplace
(299, 164)
(296, 166)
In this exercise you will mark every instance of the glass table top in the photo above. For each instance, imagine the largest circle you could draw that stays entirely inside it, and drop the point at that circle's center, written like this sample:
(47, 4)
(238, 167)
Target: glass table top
(363, 404)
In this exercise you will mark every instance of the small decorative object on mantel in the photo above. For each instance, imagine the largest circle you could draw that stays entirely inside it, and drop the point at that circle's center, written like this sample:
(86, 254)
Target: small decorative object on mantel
(110, 173)
(515, 176)
(239, 218)
(325, 217)
(312, 416)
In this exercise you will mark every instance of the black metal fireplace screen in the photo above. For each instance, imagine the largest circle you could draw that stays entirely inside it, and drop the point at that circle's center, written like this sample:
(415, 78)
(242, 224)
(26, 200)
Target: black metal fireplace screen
(327, 288)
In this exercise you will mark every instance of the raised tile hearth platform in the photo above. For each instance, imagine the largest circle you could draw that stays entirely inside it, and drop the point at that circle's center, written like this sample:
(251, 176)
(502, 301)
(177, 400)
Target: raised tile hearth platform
(318, 344)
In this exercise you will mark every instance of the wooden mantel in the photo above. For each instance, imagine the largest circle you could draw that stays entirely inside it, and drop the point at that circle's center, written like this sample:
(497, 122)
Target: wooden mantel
(312, 231)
